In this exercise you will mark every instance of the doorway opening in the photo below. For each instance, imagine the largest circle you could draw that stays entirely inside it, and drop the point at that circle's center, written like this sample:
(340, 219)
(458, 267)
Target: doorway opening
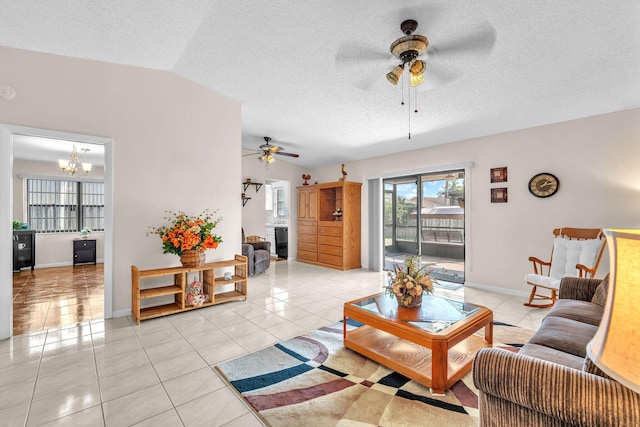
(277, 217)
(424, 215)
(12, 198)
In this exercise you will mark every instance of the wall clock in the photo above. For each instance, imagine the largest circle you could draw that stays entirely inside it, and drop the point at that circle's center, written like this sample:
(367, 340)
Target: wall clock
(544, 185)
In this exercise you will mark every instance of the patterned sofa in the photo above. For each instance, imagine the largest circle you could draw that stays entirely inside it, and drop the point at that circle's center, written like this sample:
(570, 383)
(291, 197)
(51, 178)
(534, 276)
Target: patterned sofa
(551, 381)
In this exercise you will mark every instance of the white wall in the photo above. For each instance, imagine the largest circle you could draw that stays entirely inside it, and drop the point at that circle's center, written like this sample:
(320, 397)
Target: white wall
(596, 160)
(176, 146)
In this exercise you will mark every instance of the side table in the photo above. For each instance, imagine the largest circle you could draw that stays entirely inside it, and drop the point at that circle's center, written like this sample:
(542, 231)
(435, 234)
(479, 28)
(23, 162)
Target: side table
(84, 251)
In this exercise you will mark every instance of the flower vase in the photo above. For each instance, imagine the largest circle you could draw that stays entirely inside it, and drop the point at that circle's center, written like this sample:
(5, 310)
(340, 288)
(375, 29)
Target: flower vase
(192, 258)
(409, 301)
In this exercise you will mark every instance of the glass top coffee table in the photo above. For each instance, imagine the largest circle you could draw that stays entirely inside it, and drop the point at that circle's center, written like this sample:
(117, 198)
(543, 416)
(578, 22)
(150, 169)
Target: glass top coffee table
(433, 344)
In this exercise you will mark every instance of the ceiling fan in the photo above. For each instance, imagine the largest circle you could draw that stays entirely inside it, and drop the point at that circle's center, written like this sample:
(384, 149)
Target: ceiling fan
(267, 150)
(407, 49)
(455, 50)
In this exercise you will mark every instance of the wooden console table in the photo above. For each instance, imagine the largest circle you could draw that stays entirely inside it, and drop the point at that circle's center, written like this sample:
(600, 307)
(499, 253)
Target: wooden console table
(143, 287)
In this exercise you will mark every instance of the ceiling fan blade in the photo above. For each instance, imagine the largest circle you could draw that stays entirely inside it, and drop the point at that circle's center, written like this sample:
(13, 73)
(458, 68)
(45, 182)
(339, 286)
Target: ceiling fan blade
(438, 75)
(479, 42)
(282, 153)
(269, 147)
(352, 54)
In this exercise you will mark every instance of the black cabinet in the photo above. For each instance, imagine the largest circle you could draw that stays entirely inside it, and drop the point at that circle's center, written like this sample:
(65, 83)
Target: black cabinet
(282, 242)
(84, 251)
(24, 249)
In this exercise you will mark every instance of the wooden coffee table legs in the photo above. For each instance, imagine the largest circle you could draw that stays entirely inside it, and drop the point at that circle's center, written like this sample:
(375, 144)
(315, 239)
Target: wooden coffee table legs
(439, 357)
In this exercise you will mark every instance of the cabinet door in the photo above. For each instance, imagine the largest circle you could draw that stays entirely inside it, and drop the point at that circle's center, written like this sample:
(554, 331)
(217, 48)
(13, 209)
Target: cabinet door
(303, 205)
(313, 205)
(308, 205)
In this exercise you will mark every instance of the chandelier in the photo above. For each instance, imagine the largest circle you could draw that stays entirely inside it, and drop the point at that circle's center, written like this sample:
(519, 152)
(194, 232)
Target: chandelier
(73, 165)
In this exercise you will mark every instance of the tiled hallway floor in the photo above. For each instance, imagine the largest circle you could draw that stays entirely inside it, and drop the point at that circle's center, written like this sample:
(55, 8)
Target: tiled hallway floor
(159, 373)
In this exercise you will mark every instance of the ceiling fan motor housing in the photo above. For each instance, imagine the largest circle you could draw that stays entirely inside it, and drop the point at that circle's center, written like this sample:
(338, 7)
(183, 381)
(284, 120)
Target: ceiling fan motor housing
(408, 48)
(408, 26)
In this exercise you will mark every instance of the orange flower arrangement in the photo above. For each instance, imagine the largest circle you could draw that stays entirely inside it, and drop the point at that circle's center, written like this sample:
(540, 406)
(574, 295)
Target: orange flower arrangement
(188, 233)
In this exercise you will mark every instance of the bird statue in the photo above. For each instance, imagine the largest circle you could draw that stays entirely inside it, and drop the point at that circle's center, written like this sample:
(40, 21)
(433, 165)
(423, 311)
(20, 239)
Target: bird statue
(344, 174)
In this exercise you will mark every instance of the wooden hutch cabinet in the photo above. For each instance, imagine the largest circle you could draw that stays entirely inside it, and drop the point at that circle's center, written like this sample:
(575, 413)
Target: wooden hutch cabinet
(329, 224)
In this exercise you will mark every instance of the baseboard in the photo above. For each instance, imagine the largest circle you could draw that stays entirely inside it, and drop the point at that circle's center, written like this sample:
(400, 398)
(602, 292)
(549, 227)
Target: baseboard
(63, 264)
(497, 290)
(122, 313)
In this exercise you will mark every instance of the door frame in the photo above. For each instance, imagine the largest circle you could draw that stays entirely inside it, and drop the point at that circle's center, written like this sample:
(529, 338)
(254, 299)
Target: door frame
(6, 214)
(376, 248)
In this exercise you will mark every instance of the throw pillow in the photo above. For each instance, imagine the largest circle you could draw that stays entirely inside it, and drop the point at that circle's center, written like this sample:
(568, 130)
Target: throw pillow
(600, 296)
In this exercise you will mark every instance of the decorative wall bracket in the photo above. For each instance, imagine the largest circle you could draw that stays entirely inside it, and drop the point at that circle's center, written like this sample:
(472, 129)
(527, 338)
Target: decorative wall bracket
(246, 185)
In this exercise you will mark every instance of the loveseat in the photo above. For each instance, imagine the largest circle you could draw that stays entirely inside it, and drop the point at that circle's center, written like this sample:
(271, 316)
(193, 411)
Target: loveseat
(551, 381)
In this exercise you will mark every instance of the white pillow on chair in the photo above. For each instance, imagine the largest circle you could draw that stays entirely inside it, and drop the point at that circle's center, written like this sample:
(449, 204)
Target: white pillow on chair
(567, 253)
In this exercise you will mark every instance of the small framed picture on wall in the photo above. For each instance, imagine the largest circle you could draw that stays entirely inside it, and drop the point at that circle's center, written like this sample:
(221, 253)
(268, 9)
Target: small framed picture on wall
(499, 174)
(499, 195)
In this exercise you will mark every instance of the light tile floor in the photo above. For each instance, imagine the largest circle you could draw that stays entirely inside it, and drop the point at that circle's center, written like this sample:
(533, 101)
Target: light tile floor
(159, 373)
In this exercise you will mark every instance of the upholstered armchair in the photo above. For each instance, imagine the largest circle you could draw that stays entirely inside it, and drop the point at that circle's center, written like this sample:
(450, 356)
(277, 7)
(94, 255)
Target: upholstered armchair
(258, 255)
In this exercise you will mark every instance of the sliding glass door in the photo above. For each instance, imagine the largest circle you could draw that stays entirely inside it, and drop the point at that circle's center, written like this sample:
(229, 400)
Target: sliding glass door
(424, 215)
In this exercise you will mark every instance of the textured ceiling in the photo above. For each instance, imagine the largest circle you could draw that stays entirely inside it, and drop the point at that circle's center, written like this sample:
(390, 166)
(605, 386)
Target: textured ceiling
(311, 74)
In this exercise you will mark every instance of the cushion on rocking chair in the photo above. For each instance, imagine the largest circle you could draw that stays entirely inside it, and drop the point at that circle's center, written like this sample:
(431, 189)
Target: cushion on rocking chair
(566, 254)
(544, 281)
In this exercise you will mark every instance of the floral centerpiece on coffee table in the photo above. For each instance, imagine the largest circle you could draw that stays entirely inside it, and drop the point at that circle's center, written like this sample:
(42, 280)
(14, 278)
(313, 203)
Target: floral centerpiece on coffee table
(409, 283)
(188, 233)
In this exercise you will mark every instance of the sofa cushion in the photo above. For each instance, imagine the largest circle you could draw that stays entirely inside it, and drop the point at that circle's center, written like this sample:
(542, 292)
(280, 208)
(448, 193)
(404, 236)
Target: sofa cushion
(582, 311)
(564, 334)
(600, 297)
(552, 355)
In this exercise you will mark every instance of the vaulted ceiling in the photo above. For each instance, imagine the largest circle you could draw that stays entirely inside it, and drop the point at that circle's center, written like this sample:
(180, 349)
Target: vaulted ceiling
(311, 74)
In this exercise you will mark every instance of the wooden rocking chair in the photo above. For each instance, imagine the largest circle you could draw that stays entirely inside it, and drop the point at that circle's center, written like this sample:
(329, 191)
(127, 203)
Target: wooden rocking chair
(576, 252)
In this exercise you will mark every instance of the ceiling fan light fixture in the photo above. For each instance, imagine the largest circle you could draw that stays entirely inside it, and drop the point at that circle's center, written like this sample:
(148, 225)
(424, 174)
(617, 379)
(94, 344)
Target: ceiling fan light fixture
(394, 75)
(416, 80)
(267, 158)
(418, 67)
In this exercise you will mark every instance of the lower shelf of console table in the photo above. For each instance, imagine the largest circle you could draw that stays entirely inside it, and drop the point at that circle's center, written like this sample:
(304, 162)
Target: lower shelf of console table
(172, 282)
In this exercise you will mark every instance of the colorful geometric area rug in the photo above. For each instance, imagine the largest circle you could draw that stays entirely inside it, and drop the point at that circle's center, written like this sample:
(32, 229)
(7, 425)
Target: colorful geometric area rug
(313, 380)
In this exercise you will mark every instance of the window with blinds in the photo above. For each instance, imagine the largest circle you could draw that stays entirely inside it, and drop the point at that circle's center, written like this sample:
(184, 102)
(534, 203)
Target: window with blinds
(55, 206)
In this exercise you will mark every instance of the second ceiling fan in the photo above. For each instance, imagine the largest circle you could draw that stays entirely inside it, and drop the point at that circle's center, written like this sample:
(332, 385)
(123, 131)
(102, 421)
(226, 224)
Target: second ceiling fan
(267, 151)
